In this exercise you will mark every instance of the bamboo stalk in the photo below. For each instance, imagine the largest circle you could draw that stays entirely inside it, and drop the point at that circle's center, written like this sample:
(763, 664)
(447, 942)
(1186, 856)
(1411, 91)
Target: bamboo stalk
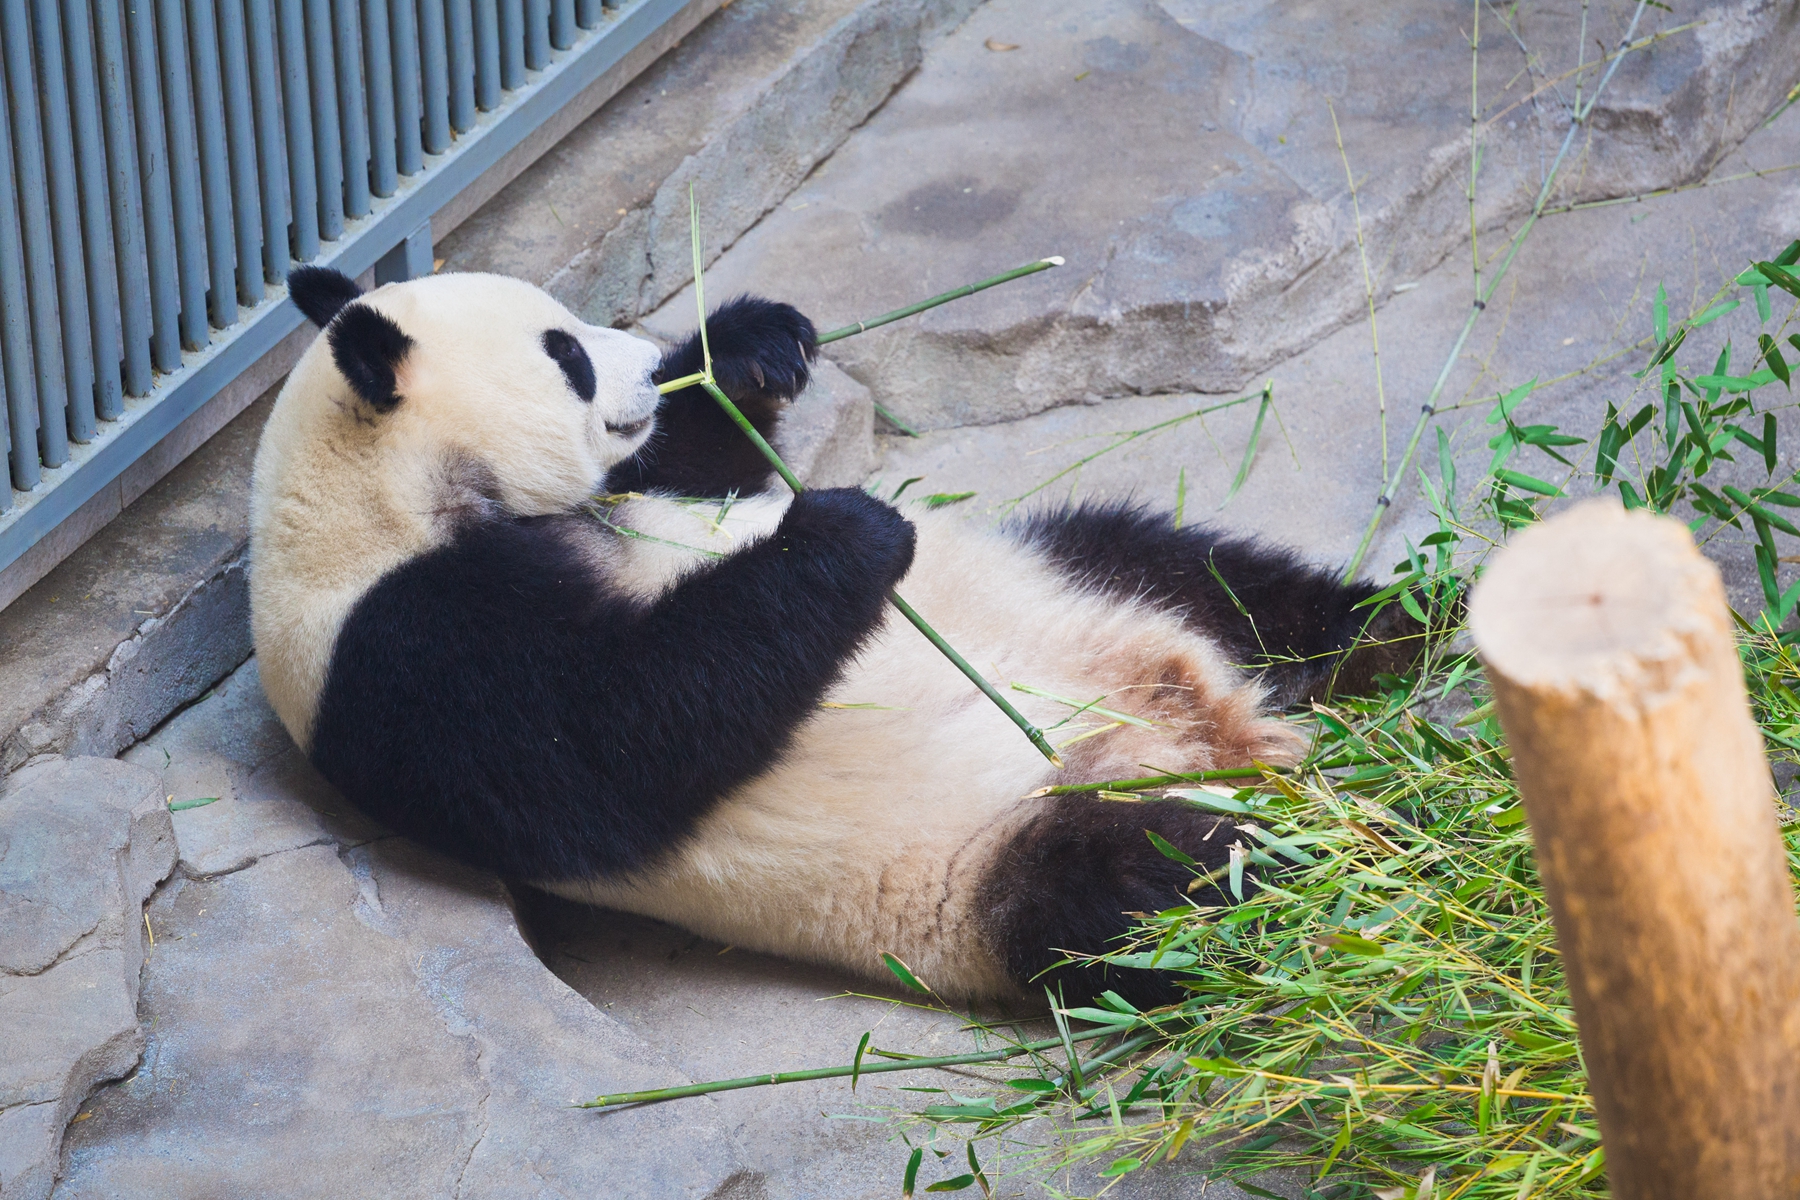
(1578, 120)
(655, 1095)
(705, 380)
(975, 677)
(1226, 773)
(1042, 264)
(1609, 647)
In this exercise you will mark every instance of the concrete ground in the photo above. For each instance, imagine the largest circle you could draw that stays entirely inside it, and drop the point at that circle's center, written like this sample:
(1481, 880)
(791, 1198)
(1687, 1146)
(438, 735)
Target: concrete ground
(326, 1010)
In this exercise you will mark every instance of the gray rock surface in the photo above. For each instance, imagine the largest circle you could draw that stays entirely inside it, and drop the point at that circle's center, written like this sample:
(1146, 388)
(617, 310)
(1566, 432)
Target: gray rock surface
(334, 1012)
(828, 434)
(742, 111)
(83, 843)
(1182, 157)
(1574, 313)
(139, 621)
(723, 1013)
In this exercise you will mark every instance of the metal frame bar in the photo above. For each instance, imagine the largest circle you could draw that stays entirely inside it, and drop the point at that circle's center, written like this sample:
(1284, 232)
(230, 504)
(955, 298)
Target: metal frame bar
(65, 223)
(127, 199)
(215, 163)
(394, 224)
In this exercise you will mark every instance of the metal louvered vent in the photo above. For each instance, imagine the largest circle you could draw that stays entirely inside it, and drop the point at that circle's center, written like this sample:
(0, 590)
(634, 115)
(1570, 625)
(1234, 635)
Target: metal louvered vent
(164, 163)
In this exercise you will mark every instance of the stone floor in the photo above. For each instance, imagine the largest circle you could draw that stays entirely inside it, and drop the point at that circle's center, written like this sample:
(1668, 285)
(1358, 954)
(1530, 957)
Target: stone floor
(329, 1011)
(332, 1011)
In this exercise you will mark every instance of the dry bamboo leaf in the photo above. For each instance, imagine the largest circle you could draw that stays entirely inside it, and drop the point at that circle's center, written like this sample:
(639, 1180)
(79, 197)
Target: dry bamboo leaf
(992, 44)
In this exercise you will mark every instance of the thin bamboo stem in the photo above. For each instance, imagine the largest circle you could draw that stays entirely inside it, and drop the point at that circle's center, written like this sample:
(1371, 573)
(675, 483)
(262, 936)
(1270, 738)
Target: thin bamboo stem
(1429, 408)
(656, 1095)
(756, 439)
(1362, 252)
(1475, 149)
(1638, 197)
(1042, 264)
(1155, 781)
(788, 477)
(975, 677)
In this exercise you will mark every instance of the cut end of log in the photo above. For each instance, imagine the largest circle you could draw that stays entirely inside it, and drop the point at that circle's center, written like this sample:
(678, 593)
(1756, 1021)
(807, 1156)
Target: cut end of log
(1599, 600)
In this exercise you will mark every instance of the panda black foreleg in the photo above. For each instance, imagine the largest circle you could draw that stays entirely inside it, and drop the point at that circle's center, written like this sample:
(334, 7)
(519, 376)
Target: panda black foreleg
(1070, 878)
(1296, 624)
(762, 356)
(489, 702)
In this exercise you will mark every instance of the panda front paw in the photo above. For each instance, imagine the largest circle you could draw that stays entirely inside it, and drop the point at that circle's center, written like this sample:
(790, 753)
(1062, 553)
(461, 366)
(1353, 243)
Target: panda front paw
(864, 533)
(762, 351)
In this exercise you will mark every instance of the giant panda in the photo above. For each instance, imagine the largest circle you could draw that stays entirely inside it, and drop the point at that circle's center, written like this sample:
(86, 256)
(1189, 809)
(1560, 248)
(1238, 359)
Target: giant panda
(690, 698)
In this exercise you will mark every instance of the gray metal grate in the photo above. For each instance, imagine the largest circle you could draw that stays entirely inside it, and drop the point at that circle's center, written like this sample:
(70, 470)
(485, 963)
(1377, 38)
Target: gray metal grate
(164, 163)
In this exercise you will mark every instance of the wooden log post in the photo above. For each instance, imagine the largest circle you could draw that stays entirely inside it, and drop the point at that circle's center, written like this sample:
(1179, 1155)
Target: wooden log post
(1616, 679)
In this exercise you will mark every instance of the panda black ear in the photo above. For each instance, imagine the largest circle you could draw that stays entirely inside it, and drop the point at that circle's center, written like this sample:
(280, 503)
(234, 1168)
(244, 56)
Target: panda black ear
(320, 292)
(369, 348)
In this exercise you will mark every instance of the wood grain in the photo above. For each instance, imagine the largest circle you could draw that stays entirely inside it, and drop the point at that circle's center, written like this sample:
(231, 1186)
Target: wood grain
(1616, 679)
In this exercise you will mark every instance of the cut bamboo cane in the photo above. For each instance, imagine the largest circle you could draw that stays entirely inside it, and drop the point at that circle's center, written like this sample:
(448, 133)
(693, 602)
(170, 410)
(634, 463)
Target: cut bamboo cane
(1610, 651)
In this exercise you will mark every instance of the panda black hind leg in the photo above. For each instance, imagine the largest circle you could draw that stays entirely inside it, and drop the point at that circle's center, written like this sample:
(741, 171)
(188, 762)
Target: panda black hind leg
(762, 354)
(1296, 624)
(1073, 878)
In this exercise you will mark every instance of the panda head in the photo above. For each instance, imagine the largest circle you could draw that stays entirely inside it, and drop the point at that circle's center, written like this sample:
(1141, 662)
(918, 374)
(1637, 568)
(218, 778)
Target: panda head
(483, 370)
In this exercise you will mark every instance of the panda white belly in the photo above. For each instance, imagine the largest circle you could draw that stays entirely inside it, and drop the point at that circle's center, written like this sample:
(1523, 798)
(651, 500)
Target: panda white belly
(879, 828)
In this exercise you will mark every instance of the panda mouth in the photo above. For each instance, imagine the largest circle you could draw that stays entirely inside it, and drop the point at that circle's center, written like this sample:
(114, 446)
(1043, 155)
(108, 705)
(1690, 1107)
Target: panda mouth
(630, 429)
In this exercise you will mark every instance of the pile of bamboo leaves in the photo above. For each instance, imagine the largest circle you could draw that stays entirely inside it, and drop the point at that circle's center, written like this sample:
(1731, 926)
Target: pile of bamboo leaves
(1384, 1015)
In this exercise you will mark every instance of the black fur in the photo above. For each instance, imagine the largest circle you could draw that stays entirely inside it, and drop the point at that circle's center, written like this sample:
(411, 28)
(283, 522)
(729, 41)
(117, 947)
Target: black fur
(368, 348)
(762, 355)
(491, 701)
(573, 358)
(320, 292)
(1068, 878)
(1293, 622)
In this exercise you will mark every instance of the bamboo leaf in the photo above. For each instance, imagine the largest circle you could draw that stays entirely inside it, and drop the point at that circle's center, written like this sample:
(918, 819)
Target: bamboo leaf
(904, 973)
(1243, 471)
(1781, 277)
(1714, 313)
(1168, 850)
(1733, 383)
(1503, 407)
(945, 499)
(1527, 483)
(1350, 943)
(856, 1063)
(1771, 352)
(1446, 465)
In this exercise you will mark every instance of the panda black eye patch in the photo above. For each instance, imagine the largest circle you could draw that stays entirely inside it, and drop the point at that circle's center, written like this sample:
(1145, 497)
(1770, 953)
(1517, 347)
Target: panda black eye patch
(572, 357)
